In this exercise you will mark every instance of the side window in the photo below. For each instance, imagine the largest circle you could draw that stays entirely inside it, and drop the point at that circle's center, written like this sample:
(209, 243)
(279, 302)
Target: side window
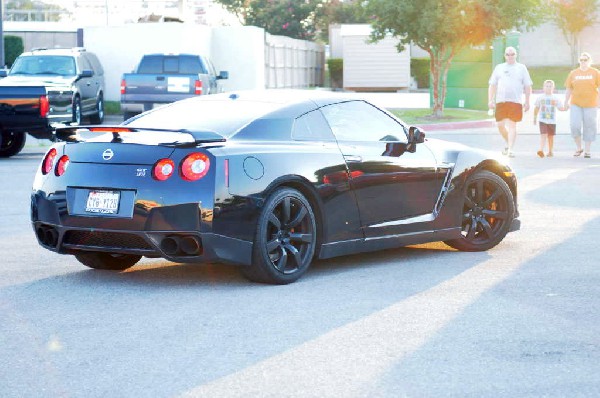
(95, 62)
(312, 126)
(83, 64)
(360, 121)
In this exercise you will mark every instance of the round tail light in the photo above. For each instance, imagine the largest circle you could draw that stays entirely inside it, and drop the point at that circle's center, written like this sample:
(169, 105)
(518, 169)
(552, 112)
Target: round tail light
(48, 161)
(163, 169)
(194, 166)
(62, 165)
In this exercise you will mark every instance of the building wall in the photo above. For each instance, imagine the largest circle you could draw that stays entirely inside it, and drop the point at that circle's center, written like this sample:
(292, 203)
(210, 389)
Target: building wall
(546, 45)
(373, 66)
(120, 48)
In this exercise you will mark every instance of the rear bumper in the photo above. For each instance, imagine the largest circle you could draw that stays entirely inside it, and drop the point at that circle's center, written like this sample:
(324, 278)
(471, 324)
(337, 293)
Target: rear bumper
(210, 247)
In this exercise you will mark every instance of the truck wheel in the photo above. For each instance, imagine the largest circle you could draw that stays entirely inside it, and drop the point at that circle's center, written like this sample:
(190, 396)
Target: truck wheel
(77, 111)
(11, 144)
(98, 117)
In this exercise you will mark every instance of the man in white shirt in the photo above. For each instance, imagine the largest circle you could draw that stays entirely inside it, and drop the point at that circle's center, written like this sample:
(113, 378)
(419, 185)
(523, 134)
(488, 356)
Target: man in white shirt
(509, 81)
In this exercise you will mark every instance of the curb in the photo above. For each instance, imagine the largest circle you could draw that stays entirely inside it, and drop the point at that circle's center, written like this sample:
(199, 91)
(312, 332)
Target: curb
(475, 124)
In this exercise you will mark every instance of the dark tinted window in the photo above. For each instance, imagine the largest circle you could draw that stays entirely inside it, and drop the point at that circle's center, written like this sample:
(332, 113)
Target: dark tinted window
(312, 127)
(190, 65)
(95, 62)
(151, 64)
(224, 117)
(360, 121)
(158, 64)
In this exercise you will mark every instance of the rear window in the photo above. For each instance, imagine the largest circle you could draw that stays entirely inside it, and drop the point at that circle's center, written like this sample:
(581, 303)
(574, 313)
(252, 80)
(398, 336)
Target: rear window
(170, 64)
(224, 116)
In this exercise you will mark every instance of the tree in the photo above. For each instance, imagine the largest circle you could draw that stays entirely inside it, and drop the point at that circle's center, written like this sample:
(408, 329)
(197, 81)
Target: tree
(444, 28)
(293, 18)
(572, 17)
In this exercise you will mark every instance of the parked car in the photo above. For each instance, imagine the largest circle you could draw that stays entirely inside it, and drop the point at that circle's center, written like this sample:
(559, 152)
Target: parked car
(164, 78)
(22, 110)
(74, 81)
(267, 179)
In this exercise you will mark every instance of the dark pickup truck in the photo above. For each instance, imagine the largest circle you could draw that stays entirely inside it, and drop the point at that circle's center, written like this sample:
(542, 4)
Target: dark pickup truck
(23, 110)
(163, 78)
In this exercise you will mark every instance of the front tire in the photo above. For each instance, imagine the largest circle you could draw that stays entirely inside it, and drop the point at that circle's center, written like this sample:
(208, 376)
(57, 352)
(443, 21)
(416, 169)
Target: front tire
(285, 239)
(107, 261)
(11, 143)
(487, 213)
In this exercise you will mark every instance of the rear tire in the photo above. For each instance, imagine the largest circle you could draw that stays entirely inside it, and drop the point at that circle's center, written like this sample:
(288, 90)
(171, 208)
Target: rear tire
(487, 213)
(285, 239)
(11, 143)
(107, 261)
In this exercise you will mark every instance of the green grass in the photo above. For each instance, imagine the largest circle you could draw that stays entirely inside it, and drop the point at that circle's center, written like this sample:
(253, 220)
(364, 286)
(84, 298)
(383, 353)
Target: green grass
(424, 116)
(112, 107)
(557, 73)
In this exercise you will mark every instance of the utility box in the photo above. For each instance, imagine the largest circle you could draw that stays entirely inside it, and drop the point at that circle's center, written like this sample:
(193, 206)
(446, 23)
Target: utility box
(467, 80)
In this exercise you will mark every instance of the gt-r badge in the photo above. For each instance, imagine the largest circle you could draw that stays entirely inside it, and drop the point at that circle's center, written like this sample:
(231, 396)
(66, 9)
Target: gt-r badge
(107, 154)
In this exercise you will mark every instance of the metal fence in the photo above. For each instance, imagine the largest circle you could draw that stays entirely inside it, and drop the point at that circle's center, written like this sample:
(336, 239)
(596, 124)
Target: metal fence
(293, 63)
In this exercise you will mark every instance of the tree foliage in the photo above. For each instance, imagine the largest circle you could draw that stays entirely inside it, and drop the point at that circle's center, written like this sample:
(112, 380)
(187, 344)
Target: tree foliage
(300, 19)
(572, 17)
(444, 28)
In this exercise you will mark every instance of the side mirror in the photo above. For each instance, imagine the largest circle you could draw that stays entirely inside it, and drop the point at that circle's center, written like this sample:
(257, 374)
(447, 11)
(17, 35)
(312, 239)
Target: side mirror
(223, 75)
(415, 136)
(3, 73)
(86, 73)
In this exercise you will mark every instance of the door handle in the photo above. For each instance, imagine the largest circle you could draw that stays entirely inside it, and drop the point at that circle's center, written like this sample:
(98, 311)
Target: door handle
(160, 78)
(353, 158)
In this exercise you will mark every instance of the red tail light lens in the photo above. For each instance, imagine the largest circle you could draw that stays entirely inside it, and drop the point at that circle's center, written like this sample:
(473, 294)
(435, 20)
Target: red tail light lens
(44, 106)
(123, 86)
(198, 87)
(62, 165)
(163, 169)
(194, 166)
(48, 161)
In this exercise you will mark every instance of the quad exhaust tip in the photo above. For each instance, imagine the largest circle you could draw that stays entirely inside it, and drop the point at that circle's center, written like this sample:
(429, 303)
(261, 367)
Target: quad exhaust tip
(181, 245)
(47, 235)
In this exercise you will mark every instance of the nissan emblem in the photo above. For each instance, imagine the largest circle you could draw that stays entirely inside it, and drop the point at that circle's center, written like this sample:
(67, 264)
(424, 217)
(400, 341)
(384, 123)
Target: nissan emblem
(107, 154)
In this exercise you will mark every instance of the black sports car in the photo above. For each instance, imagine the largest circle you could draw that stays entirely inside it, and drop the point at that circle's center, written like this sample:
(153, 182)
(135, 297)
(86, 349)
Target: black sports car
(267, 179)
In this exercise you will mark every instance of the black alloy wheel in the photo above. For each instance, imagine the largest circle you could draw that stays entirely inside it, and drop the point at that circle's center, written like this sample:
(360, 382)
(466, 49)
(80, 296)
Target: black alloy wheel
(487, 213)
(11, 143)
(107, 261)
(285, 239)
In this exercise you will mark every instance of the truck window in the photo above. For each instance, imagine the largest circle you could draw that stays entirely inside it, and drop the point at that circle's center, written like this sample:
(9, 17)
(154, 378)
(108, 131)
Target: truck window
(151, 64)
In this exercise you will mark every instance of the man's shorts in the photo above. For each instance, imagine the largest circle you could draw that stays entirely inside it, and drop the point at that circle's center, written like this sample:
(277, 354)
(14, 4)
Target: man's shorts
(546, 128)
(509, 110)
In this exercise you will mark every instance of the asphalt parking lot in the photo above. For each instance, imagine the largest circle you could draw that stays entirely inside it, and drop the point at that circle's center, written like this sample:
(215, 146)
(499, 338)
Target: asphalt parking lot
(520, 320)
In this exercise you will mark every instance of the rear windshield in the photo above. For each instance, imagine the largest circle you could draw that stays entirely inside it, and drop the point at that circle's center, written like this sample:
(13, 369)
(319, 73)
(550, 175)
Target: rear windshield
(174, 64)
(222, 116)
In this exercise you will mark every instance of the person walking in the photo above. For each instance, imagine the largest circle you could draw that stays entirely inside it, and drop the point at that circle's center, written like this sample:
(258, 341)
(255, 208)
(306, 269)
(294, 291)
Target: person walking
(507, 84)
(582, 98)
(546, 106)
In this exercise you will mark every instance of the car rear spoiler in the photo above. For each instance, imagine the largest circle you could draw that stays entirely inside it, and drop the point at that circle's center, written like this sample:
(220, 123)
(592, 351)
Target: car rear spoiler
(74, 134)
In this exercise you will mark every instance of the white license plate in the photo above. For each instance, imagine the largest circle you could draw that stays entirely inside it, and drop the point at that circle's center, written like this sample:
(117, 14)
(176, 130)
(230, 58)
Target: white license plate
(103, 202)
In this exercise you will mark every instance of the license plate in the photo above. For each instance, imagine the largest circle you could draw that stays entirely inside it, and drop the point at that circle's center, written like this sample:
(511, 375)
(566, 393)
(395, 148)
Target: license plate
(103, 202)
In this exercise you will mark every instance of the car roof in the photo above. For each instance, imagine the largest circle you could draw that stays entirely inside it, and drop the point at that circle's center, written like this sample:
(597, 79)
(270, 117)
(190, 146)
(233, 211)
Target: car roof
(55, 51)
(284, 97)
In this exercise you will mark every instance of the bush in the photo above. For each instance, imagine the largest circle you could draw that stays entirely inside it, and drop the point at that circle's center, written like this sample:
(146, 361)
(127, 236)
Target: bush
(13, 47)
(419, 69)
(336, 72)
